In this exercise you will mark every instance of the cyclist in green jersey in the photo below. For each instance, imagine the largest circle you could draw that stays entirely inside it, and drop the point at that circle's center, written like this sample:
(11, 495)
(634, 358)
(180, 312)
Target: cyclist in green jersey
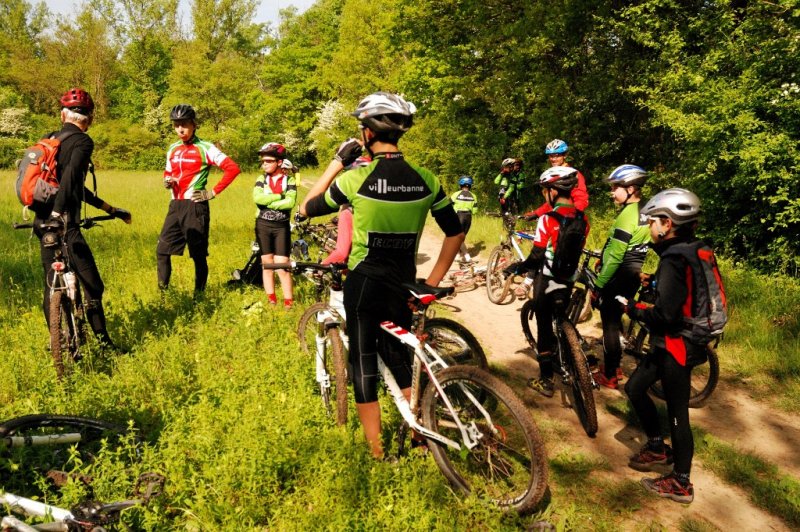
(391, 198)
(465, 204)
(619, 268)
(503, 180)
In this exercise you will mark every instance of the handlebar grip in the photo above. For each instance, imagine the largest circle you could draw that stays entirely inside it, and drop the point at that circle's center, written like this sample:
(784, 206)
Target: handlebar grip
(15, 225)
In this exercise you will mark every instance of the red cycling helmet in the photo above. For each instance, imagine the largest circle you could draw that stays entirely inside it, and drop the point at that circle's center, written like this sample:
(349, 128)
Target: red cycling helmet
(77, 99)
(274, 149)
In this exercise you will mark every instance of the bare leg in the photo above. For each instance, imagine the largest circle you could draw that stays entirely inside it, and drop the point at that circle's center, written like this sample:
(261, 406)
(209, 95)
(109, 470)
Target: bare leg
(285, 278)
(370, 416)
(268, 275)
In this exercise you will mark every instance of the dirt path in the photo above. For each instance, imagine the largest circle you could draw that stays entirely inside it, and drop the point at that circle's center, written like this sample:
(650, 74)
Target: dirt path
(731, 415)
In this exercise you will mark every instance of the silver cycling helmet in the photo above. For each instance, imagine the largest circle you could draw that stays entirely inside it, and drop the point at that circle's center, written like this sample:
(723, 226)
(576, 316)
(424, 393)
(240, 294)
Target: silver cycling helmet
(678, 204)
(563, 178)
(384, 112)
(628, 175)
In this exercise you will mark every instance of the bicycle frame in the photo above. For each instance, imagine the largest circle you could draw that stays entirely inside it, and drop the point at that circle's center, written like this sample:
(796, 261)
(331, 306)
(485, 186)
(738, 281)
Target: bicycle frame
(426, 359)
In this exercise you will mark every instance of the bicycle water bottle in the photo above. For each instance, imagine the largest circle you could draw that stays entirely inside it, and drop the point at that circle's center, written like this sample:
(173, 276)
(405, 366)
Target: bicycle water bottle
(72, 284)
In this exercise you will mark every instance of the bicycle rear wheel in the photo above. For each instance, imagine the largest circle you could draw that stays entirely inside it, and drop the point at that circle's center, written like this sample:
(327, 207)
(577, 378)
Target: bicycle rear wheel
(338, 364)
(455, 343)
(64, 333)
(496, 282)
(508, 464)
(48, 443)
(704, 377)
(581, 380)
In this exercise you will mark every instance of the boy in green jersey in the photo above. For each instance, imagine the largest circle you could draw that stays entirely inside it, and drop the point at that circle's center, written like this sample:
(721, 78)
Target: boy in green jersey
(465, 204)
(619, 268)
(391, 198)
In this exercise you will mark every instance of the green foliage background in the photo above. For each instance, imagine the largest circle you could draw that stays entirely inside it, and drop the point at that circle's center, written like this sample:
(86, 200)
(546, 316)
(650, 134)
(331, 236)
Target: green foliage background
(704, 94)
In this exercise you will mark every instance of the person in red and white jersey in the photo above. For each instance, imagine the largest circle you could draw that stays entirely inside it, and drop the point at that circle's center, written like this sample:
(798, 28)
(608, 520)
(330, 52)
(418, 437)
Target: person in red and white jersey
(189, 162)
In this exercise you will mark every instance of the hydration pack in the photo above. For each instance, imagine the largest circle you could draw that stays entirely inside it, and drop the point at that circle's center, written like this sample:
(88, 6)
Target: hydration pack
(708, 305)
(37, 184)
(568, 247)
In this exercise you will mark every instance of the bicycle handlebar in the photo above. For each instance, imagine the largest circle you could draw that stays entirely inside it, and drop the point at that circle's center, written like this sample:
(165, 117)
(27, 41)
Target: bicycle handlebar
(298, 265)
(86, 223)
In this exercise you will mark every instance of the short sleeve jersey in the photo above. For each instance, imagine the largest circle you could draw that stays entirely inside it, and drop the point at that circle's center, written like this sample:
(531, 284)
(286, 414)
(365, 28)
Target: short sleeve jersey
(189, 165)
(391, 199)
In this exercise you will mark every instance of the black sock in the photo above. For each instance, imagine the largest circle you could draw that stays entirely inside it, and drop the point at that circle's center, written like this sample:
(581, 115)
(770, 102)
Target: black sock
(656, 444)
(683, 478)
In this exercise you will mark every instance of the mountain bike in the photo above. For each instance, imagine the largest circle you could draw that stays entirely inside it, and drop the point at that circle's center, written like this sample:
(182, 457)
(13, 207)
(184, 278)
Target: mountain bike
(322, 330)
(467, 277)
(570, 362)
(498, 283)
(636, 344)
(635, 337)
(52, 443)
(66, 312)
(480, 434)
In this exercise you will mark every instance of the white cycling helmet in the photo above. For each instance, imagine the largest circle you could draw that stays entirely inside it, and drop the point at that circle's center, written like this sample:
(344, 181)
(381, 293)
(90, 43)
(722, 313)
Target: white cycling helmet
(678, 204)
(563, 178)
(508, 162)
(385, 112)
(628, 175)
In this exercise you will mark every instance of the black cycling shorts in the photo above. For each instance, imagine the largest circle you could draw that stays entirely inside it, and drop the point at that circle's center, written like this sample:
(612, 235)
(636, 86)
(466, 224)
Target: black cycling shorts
(274, 238)
(367, 303)
(187, 223)
(465, 217)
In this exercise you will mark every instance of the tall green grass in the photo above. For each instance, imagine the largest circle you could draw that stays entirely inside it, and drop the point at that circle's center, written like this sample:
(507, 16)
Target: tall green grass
(226, 401)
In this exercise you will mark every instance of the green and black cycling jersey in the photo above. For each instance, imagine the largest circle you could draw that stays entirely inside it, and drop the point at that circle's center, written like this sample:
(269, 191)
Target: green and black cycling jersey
(391, 199)
(465, 201)
(626, 246)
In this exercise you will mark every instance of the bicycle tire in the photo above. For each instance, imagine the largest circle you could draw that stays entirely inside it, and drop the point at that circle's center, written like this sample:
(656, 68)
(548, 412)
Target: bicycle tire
(581, 381)
(339, 377)
(496, 282)
(703, 381)
(508, 465)
(56, 442)
(308, 324)
(455, 343)
(527, 316)
(64, 339)
(579, 308)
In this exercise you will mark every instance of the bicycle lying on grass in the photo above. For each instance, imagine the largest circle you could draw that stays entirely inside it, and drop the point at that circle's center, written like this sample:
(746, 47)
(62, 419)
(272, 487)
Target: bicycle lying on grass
(322, 331)
(498, 283)
(467, 277)
(53, 442)
(66, 312)
(636, 338)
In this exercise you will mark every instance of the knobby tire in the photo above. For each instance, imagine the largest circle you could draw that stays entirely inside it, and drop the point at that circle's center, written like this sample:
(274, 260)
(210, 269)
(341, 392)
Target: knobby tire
(64, 342)
(455, 343)
(527, 316)
(339, 377)
(497, 286)
(508, 466)
(582, 390)
(308, 324)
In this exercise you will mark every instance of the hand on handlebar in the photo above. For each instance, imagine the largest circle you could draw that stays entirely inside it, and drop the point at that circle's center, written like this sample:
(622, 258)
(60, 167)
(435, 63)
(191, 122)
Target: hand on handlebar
(54, 222)
(299, 218)
(121, 214)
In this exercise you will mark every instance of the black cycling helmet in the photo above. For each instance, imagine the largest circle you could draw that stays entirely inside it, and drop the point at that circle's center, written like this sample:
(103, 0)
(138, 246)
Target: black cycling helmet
(183, 111)
(384, 112)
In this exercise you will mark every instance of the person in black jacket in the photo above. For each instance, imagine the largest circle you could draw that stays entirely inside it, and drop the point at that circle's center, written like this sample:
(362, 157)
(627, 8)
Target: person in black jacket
(72, 160)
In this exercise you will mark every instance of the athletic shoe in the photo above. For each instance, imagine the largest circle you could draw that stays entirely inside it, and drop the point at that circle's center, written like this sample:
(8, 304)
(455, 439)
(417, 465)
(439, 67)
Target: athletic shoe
(287, 303)
(602, 380)
(646, 458)
(543, 386)
(669, 487)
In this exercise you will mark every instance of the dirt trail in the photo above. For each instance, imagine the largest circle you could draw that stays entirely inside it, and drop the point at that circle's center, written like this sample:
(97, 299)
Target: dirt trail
(730, 415)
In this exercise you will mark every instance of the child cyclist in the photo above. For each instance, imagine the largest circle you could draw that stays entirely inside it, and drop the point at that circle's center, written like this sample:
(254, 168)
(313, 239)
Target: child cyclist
(623, 256)
(552, 291)
(391, 198)
(275, 194)
(466, 204)
(681, 297)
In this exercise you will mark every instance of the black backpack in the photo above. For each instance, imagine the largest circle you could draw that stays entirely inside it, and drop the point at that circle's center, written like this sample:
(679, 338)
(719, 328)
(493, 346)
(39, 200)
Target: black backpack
(568, 247)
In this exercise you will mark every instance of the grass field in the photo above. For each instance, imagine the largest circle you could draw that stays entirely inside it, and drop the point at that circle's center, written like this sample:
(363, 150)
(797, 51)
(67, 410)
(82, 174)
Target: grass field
(224, 398)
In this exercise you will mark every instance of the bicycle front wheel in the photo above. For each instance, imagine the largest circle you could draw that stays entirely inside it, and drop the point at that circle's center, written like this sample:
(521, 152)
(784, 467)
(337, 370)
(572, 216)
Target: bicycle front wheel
(508, 465)
(338, 363)
(64, 332)
(454, 343)
(581, 380)
(704, 377)
(308, 327)
(496, 281)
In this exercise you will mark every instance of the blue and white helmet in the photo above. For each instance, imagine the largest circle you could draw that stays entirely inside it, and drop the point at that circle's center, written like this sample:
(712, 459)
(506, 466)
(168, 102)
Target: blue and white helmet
(628, 175)
(465, 180)
(556, 146)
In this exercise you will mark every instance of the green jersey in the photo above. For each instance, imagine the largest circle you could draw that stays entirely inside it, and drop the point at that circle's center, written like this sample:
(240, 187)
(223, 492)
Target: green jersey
(465, 201)
(391, 199)
(626, 245)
